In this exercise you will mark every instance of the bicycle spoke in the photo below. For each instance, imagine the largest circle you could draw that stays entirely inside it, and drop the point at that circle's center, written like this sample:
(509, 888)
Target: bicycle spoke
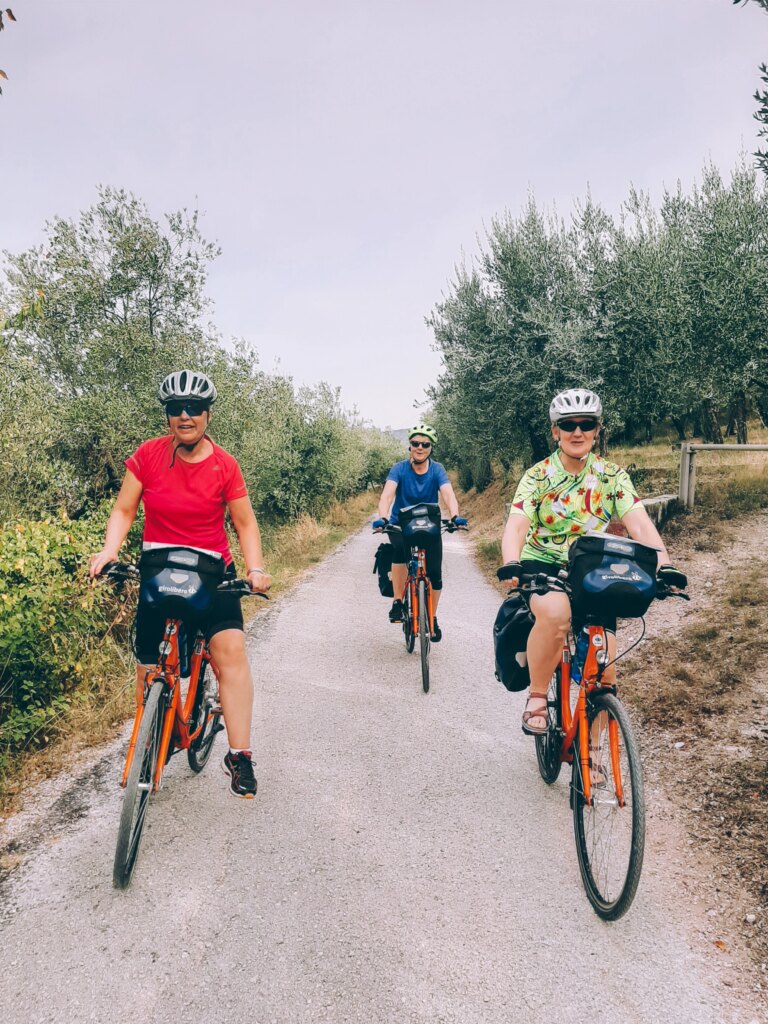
(610, 832)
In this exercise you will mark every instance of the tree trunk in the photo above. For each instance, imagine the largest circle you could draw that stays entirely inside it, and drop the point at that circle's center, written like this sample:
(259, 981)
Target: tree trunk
(730, 430)
(483, 473)
(710, 426)
(541, 444)
(739, 406)
(602, 442)
(679, 423)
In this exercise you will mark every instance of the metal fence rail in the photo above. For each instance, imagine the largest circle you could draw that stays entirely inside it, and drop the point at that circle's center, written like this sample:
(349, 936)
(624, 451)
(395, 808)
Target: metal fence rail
(687, 488)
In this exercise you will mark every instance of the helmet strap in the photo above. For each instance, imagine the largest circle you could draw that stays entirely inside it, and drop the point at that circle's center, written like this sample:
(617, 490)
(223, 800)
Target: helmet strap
(187, 448)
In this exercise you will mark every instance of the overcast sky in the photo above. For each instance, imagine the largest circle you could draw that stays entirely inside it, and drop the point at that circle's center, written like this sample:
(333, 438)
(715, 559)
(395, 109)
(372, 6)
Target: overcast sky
(346, 153)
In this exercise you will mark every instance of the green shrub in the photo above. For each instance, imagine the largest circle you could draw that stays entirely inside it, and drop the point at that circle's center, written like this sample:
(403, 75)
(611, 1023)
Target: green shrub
(51, 616)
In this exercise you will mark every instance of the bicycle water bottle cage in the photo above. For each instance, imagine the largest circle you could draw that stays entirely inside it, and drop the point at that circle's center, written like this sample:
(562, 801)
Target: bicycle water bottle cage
(179, 582)
(420, 522)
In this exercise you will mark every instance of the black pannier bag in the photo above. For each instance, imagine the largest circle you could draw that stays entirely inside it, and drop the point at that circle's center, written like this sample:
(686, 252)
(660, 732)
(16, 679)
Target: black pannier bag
(419, 522)
(510, 638)
(382, 564)
(179, 582)
(611, 576)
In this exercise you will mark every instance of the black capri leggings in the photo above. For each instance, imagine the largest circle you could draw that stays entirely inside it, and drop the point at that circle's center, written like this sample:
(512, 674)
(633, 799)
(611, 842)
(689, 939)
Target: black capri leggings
(401, 553)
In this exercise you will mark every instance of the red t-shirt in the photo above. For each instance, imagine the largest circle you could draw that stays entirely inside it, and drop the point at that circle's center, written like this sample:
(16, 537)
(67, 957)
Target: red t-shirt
(186, 505)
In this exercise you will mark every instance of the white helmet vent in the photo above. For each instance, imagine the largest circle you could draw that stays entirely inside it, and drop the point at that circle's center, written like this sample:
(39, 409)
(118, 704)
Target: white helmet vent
(187, 384)
(575, 402)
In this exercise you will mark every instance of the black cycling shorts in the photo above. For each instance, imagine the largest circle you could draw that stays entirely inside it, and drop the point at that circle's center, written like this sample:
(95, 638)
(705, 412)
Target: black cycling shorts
(533, 565)
(225, 612)
(433, 548)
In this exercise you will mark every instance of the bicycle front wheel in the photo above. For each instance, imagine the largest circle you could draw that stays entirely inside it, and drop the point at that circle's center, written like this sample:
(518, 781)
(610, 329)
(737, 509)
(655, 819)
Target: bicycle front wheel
(138, 788)
(610, 831)
(408, 630)
(206, 716)
(548, 745)
(424, 635)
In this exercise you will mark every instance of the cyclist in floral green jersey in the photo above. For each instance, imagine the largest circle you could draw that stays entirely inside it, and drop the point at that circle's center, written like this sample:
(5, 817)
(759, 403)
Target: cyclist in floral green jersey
(568, 494)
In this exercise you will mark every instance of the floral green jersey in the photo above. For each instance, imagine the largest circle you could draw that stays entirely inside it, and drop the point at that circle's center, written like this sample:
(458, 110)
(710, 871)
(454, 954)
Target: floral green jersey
(561, 506)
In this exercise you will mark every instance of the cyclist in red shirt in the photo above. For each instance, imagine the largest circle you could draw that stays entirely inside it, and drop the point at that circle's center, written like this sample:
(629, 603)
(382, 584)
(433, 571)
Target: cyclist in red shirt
(187, 484)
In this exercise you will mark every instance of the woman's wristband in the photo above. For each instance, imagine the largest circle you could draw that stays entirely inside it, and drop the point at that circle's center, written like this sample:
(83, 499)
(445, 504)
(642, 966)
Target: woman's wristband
(259, 570)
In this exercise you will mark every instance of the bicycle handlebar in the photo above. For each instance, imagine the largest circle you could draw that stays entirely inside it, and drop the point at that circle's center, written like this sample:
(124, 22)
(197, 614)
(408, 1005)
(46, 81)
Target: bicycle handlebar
(121, 571)
(543, 584)
(446, 526)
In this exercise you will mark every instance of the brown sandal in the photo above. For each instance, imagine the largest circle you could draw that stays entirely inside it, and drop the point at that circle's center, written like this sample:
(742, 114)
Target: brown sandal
(541, 712)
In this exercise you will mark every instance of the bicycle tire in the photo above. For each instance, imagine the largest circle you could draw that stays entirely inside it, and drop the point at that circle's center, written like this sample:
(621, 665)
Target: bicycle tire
(205, 715)
(410, 636)
(548, 745)
(610, 839)
(424, 635)
(138, 788)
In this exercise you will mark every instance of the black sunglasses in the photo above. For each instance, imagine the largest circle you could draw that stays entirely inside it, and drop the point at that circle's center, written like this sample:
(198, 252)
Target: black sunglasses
(421, 444)
(570, 425)
(191, 406)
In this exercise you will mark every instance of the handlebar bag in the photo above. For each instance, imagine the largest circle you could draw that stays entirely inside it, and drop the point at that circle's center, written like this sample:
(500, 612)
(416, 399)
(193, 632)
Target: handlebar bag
(179, 582)
(611, 576)
(510, 639)
(382, 564)
(420, 522)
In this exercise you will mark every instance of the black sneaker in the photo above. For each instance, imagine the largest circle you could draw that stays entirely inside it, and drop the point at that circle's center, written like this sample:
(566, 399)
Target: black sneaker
(239, 767)
(437, 633)
(396, 612)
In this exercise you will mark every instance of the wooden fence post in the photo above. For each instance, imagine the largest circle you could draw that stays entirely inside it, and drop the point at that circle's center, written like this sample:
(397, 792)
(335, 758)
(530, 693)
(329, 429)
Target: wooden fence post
(682, 489)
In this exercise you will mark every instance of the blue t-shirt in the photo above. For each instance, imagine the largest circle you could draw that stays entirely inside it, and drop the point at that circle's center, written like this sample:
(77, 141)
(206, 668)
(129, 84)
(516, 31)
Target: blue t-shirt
(413, 487)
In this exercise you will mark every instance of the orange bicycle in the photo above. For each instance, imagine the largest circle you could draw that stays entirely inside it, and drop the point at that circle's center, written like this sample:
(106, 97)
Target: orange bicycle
(167, 722)
(418, 525)
(589, 728)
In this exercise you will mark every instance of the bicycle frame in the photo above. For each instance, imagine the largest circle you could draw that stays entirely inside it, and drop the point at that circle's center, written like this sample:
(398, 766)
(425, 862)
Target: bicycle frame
(177, 716)
(417, 570)
(575, 721)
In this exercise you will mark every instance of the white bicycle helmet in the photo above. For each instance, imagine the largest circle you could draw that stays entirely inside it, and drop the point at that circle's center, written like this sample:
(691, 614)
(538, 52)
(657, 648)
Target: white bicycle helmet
(575, 402)
(187, 384)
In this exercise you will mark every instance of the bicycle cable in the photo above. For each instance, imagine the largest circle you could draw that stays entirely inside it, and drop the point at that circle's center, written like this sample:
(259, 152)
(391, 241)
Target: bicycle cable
(628, 649)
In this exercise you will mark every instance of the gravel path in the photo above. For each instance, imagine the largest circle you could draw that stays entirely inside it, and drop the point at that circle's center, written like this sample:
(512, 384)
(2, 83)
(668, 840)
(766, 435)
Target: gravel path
(402, 862)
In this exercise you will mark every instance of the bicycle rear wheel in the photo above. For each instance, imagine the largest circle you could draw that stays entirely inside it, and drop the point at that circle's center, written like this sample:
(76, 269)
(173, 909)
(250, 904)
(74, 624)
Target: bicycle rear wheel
(410, 636)
(549, 744)
(138, 788)
(424, 635)
(610, 832)
(206, 716)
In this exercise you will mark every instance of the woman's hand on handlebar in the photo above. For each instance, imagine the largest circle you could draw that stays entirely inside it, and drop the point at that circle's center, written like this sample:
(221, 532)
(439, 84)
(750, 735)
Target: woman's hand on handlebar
(378, 524)
(510, 572)
(259, 581)
(97, 562)
(671, 577)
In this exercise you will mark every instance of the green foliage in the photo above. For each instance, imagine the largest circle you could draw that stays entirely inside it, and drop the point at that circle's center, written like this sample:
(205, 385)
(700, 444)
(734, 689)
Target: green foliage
(50, 616)
(662, 312)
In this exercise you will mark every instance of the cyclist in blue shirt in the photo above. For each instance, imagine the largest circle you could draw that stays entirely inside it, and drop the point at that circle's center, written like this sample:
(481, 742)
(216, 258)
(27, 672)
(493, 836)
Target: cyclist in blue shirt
(414, 480)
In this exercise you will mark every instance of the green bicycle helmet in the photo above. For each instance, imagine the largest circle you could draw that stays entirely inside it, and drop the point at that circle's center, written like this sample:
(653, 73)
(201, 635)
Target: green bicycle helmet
(425, 430)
